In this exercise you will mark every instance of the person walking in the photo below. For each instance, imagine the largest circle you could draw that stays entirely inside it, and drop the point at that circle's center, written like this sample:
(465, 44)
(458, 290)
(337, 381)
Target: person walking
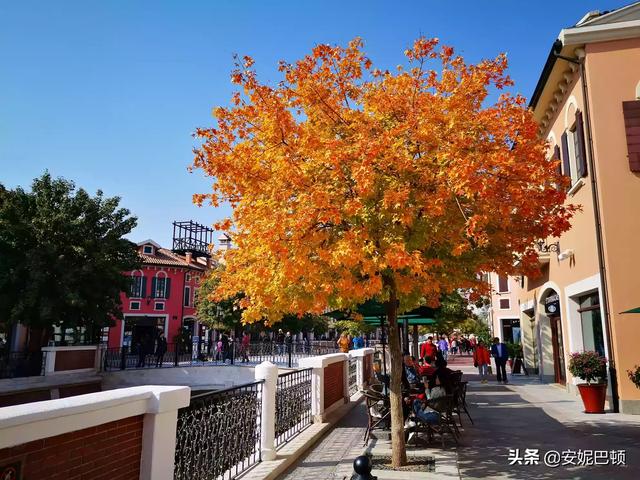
(443, 347)
(428, 350)
(481, 361)
(500, 355)
(280, 341)
(246, 340)
(161, 349)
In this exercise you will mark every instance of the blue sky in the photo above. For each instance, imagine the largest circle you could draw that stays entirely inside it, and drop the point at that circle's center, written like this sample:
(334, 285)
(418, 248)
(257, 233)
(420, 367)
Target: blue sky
(107, 93)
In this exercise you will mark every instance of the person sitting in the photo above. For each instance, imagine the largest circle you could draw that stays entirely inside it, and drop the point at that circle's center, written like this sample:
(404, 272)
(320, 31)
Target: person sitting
(421, 408)
(444, 373)
(381, 377)
(427, 369)
(410, 378)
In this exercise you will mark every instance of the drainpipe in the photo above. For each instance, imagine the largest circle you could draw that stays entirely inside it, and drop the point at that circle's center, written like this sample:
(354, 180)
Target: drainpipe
(613, 376)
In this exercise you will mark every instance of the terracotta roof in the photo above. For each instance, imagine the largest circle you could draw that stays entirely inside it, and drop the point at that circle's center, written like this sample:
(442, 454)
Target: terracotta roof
(168, 258)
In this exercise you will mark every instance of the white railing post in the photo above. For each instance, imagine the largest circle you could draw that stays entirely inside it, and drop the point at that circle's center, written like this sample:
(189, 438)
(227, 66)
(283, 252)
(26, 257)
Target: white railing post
(268, 372)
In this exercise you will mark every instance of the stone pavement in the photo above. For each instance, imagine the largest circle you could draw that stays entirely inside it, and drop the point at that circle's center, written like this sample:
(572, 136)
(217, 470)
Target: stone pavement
(525, 414)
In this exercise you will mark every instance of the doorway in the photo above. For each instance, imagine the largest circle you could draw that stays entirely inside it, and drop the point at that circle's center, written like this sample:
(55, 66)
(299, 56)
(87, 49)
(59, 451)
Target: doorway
(558, 350)
(142, 332)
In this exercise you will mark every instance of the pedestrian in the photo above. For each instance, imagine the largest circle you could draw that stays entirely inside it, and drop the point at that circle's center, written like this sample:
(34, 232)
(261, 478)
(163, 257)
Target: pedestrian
(343, 343)
(141, 344)
(358, 342)
(428, 350)
(500, 355)
(443, 346)
(481, 360)
(226, 351)
(219, 347)
(161, 349)
(454, 346)
(280, 341)
(246, 341)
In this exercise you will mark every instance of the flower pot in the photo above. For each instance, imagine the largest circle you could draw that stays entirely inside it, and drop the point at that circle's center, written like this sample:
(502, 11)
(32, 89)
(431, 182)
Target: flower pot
(593, 396)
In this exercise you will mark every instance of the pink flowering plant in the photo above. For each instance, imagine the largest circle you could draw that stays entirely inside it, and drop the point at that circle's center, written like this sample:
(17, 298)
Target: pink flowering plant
(590, 366)
(634, 376)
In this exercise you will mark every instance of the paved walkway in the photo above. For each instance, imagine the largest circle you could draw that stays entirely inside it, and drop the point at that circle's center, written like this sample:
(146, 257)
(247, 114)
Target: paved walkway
(522, 415)
(332, 457)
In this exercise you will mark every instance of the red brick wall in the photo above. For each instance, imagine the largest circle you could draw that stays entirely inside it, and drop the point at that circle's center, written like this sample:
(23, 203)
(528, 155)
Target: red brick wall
(109, 451)
(333, 383)
(75, 359)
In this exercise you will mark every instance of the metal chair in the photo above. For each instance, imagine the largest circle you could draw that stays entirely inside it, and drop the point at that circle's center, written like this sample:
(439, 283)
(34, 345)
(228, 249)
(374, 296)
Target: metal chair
(378, 411)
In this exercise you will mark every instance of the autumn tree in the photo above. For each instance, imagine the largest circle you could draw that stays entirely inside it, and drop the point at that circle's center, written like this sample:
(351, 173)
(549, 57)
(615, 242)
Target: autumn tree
(349, 182)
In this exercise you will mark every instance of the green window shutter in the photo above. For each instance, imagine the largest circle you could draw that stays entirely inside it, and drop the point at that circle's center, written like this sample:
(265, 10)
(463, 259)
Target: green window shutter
(167, 287)
(153, 287)
(566, 169)
(581, 153)
(143, 288)
(131, 286)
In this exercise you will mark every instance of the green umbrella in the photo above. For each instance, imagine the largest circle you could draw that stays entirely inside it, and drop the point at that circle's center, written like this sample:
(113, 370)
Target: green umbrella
(633, 310)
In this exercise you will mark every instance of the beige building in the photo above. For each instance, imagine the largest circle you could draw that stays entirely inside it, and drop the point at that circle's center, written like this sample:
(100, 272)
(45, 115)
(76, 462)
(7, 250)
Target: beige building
(504, 309)
(587, 103)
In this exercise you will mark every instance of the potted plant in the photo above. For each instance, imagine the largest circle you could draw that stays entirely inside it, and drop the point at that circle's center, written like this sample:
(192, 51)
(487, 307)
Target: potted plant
(515, 356)
(592, 368)
(634, 376)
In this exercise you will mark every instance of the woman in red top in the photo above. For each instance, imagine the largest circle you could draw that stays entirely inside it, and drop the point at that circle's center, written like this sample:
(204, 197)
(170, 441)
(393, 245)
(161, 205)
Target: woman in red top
(481, 359)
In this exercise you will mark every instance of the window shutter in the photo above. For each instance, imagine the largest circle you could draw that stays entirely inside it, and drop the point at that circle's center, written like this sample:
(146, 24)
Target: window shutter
(167, 287)
(143, 288)
(131, 286)
(556, 157)
(631, 113)
(503, 284)
(153, 287)
(566, 170)
(582, 152)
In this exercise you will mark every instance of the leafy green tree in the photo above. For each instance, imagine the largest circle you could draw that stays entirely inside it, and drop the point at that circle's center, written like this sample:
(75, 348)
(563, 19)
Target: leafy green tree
(452, 313)
(353, 327)
(62, 254)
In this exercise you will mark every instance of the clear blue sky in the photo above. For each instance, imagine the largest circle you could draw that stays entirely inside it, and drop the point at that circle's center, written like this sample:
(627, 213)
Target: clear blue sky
(107, 93)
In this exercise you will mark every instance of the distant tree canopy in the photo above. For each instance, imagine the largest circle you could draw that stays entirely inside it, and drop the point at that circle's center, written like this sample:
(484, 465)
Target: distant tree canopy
(353, 327)
(62, 254)
(225, 314)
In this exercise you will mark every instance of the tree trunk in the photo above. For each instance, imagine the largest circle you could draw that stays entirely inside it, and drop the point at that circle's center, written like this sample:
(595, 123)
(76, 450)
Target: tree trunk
(398, 450)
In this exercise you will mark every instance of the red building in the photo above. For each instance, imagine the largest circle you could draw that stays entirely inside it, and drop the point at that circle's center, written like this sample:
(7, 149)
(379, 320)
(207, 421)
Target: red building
(161, 296)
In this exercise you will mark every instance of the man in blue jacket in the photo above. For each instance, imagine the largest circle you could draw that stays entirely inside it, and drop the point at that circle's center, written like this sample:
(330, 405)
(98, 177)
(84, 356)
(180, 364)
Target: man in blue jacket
(500, 353)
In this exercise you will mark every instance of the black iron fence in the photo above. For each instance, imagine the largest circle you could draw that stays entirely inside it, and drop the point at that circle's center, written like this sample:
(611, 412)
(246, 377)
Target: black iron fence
(22, 364)
(218, 434)
(203, 353)
(293, 404)
(353, 376)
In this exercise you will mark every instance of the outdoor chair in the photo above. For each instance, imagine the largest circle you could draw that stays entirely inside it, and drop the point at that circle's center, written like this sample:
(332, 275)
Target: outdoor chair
(378, 411)
(446, 423)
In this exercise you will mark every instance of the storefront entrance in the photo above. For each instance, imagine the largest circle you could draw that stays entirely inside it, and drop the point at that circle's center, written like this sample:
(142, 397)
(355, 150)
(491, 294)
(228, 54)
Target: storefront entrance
(142, 330)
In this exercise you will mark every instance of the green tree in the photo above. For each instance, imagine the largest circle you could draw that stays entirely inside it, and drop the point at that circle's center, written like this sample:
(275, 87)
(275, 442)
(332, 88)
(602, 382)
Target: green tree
(353, 327)
(62, 254)
(221, 315)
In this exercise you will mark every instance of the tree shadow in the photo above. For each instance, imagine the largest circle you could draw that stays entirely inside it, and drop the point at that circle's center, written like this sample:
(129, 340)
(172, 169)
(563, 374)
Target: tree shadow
(503, 420)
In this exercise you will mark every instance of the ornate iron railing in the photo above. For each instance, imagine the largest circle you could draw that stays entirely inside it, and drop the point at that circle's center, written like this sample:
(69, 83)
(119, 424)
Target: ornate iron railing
(203, 353)
(353, 376)
(218, 434)
(293, 404)
(22, 364)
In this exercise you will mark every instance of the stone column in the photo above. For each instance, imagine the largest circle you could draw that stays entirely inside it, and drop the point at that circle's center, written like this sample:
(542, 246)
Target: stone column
(268, 372)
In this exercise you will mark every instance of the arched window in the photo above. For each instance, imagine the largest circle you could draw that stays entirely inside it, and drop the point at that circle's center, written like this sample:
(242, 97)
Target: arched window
(161, 285)
(138, 285)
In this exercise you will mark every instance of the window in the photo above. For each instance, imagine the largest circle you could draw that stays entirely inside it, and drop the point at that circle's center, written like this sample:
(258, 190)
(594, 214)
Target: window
(574, 158)
(187, 296)
(187, 277)
(134, 306)
(137, 287)
(161, 287)
(158, 305)
(592, 336)
(147, 249)
(197, 279)
(503, 284)
(505, 304)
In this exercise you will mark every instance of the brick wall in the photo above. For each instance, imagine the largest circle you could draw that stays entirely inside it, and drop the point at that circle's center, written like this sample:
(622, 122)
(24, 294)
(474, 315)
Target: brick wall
(109, 451)
(367, 371)
(333, 383)
(74, 359)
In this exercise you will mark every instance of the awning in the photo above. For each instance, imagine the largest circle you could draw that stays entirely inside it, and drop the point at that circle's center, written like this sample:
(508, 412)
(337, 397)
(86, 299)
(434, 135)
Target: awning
(633, 310)
(411, 320)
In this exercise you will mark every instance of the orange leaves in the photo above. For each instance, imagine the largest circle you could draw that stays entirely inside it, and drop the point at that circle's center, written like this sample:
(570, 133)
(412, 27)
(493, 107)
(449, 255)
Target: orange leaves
(338, 180)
